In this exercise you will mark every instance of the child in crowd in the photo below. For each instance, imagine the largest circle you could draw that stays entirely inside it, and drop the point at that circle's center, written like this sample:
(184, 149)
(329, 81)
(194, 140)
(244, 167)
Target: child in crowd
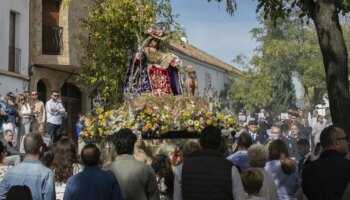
(252, 180)
(46, 137)
(79, 126)
(175, 160)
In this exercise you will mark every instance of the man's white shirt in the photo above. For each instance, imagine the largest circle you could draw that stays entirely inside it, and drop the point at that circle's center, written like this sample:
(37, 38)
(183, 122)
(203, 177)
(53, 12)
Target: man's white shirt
(54, 117)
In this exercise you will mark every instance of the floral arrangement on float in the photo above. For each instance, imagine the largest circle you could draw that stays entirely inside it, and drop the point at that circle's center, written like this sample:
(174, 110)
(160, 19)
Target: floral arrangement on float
(157, 116)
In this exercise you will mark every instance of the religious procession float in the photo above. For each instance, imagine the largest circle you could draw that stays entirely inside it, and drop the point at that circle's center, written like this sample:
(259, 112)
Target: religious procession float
(159, 102)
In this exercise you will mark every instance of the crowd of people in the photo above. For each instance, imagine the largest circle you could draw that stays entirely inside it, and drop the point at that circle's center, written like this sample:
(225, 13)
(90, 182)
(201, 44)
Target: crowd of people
(203, 171)
(26, 113)
(295, 125)
(271, 159)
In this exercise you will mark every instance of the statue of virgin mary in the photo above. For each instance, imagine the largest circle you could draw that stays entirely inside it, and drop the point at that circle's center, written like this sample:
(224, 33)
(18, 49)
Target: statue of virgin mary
(153, 71)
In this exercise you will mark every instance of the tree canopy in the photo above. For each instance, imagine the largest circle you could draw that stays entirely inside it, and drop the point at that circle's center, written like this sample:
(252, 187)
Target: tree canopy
(325, 15)
(253, 88)
(289, 49)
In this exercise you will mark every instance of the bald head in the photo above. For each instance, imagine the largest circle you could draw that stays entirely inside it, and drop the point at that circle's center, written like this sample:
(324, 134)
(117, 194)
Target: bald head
(335, 138)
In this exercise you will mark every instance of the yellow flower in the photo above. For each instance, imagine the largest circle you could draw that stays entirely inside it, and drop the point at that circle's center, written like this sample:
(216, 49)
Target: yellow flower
(164, 128)
(100, 131)
(149, 125)
(84, 133)
(92, 133)
(196, 123)
(230, 121)
(103, 123)
(221, 116)
(125, 114)
(100, 116)
(99, 110)
(106, 114)
(208, 122)
(128, 124)
(190, 122)
(154, 119)
(148, 111)
(197, 129)
(186, 114)
(111, 112)
(142, 116)
(208, 114)
(88, 122)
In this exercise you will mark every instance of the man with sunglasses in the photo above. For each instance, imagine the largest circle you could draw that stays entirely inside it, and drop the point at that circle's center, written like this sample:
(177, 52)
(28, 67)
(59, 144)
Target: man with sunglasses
(38, 111)
(54, 112)
(327, 177)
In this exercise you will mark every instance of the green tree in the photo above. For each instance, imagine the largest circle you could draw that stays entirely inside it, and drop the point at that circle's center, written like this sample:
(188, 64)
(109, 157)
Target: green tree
(289, 48)
(276, 54)
(309, 69)
(325, 15)
(115, 28)
(252, 89)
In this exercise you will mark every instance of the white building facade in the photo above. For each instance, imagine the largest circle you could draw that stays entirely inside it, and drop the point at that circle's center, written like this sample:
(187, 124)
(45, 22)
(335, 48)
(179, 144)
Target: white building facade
(14, 46)
(209, 69)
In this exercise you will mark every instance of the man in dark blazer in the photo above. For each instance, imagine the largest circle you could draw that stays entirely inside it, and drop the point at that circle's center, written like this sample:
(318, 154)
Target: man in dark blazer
(327, 177)
(257, 135)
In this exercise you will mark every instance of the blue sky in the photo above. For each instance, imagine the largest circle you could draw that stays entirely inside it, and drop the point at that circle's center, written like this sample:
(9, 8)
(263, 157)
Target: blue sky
(210, 28)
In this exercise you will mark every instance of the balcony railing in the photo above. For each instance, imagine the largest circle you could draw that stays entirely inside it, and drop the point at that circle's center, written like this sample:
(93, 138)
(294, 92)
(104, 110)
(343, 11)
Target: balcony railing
(14, 59)
(52, 40)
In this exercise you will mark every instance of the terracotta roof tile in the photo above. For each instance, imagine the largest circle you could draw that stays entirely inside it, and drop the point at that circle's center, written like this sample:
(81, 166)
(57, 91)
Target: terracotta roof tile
(200, 55)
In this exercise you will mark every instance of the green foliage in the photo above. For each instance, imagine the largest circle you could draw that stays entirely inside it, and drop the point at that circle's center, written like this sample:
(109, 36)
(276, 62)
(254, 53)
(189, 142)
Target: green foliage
(253, 89)
(275, 9)
(283, 9)
(309, 68)
(290, 48)
(325, 15)
(231, 5)
(114, 29)
(286, 42)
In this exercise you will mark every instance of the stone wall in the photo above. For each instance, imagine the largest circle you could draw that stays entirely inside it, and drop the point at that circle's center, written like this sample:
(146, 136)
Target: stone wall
(69, 19)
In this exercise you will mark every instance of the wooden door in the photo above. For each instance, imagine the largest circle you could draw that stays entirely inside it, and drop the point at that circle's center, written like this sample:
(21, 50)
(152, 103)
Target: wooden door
(71, 98)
